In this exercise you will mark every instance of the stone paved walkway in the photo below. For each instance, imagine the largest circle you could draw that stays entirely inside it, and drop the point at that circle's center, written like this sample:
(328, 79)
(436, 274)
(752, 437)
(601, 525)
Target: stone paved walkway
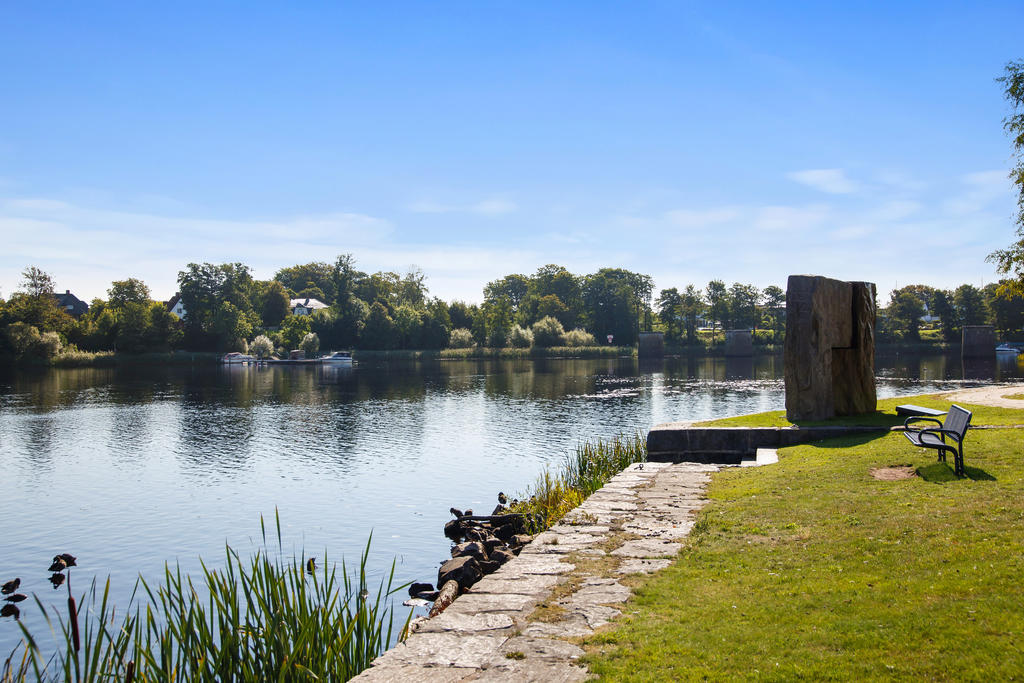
(518, 624)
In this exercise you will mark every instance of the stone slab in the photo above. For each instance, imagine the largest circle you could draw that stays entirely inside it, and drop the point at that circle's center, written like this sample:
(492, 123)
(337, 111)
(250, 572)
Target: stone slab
(443, 650)
(519, 671)
(642, 566)
(648, 548)
(456, 621)
(403, 673)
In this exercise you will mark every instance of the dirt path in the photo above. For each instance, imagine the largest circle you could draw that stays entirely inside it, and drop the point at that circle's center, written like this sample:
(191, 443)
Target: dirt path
(990, 396)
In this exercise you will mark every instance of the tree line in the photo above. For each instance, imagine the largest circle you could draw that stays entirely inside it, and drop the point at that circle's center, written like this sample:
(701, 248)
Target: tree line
(916, 307)
(227, 309)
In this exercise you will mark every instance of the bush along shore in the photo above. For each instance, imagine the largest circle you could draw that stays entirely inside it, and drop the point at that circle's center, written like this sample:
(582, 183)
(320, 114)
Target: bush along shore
(483, 543)
(265, 618)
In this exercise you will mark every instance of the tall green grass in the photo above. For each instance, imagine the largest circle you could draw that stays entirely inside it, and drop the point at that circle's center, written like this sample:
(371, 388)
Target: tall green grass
(585, 470)
(260, 618)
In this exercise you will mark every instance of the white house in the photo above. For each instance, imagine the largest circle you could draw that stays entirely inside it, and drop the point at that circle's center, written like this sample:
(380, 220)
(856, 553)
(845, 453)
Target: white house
(306, 306)
(176, 307)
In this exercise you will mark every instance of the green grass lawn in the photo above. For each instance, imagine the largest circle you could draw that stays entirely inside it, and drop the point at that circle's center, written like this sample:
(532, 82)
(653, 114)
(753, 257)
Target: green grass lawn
(884, 415)
(813, 569)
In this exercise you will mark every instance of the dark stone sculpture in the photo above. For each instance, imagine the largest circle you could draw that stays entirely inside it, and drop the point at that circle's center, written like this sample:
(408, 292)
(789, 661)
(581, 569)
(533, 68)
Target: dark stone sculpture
(830, 348)
(979, 341)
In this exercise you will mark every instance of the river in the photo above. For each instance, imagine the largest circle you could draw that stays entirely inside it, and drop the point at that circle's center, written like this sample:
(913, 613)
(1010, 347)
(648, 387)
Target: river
(132, 467)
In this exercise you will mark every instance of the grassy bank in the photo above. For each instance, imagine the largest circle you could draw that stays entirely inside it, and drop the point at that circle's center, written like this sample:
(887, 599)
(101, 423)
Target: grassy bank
(586, 469)
(814, 569)
(265, 618)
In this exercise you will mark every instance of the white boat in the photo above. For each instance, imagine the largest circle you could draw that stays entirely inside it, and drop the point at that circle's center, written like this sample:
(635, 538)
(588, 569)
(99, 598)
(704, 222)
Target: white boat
(338, 359)
(235, 358)
(1007, 349)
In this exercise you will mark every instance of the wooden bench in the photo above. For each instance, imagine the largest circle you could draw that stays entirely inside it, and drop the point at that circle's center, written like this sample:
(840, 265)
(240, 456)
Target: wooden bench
(954, 426)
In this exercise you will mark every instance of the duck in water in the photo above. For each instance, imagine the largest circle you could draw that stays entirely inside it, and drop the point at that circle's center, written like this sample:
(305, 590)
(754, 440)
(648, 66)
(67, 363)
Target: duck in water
(10, 586)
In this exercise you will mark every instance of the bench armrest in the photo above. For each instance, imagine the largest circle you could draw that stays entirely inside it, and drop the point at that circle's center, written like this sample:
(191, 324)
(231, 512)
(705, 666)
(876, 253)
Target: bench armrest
(919, 418)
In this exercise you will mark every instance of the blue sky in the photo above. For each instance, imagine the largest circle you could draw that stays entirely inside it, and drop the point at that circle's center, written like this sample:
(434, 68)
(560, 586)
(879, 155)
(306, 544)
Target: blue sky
(689, 141)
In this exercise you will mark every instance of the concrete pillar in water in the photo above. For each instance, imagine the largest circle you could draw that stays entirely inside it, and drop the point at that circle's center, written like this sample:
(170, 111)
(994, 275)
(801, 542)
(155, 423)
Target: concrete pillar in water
(830, 348)
(979, 341)
(739, 343)
(651, 345)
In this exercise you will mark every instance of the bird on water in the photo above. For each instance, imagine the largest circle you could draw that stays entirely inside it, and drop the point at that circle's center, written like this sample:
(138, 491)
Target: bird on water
(59, 564)
(10, 586)
(68, 558)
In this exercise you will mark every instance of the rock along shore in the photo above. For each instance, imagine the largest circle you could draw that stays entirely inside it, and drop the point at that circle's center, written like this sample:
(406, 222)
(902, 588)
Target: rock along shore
(517, 623)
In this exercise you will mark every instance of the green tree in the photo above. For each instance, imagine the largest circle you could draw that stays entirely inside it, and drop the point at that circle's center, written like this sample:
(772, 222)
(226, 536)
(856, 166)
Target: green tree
(322, 276)
(123, 292)
(461, 315)
(408, 324)
(615, 302)
(379, 331)
(514, 287)
(774, 306)
(206, 290)
(691, 308)
(905, 311)
(970, 305)
(1010, 261)
(718, 304)
(669, 308)
(1007, 309)
(412, 288)
(274, 303)
(35, 303)
(437, 325)
(743, 303)
(941, 306)
(499, 320)
(132, 327)
(293, 330)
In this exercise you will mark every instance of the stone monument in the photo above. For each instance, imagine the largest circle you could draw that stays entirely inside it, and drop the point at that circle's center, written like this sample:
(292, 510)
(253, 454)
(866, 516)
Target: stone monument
(830, 348)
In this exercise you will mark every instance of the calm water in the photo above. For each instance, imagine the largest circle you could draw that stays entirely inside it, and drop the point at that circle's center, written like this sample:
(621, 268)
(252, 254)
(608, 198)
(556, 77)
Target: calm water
(129, 468)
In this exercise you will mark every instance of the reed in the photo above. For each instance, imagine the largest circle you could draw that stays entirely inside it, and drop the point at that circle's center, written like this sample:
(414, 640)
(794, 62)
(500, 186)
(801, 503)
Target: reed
(258, 618)
(585, 470)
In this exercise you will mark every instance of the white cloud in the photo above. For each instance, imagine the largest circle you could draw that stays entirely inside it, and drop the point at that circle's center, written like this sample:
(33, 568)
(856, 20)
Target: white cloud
(696, 219)
(982, 188)
(487, 207)
(791, 218)
(894, 211)
(830, 180)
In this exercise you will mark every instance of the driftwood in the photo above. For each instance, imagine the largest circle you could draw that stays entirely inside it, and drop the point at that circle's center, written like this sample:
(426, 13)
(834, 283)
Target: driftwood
(449, 591)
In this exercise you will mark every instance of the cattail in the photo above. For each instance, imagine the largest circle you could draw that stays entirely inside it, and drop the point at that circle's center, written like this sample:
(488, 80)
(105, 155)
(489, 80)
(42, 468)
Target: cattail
(129, 674)
(73, 619)
(73, 616)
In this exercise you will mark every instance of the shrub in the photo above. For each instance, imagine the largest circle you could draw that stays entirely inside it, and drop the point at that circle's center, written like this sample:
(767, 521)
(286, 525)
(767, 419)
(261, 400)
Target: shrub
(520, 338)
(461, 338)
(310, 343)
(548, 332)
(261, 347)
(49, 344)
(579, 337)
